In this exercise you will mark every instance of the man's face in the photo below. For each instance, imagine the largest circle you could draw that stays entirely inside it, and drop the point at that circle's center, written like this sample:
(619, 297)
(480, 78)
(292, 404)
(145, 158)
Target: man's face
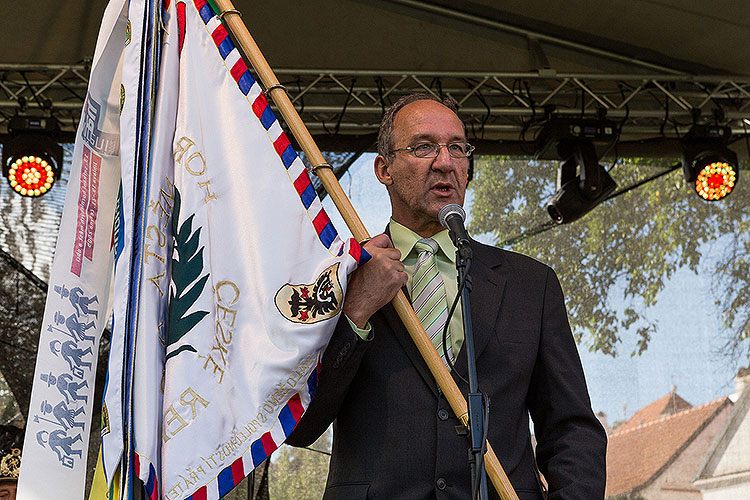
(420, 187)
(8, 490)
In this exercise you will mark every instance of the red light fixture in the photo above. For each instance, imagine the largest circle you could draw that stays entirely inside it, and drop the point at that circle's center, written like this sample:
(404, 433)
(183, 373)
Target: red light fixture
(715, 180)
(32, 158)
(710, 167)
(31, 176)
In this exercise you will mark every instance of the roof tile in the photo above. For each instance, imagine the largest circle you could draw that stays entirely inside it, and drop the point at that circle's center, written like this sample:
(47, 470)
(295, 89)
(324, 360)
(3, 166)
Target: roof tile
(638, 451)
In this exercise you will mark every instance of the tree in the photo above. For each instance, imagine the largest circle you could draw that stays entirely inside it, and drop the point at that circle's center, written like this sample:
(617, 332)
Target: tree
(627, 496)
(631, 244)
(300, 473)
(10, 414)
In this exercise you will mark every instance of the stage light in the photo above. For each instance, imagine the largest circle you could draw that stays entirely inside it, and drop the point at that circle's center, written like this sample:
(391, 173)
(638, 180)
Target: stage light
(710, 167)
(32, 158)
(31, 176)
(581, 182)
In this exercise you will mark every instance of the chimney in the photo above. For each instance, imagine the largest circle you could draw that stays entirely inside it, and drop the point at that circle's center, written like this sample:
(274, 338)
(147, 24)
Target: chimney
(741, 380)
(603, 420)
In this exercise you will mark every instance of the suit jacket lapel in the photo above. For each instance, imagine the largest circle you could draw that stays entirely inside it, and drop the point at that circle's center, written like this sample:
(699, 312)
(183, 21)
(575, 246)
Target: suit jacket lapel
(485, 298)
(408, 345)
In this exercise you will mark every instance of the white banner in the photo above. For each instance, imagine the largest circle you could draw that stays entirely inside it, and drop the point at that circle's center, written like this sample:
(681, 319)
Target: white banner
(258, 273)
(156, 249)
(59, 423)
(116, 429)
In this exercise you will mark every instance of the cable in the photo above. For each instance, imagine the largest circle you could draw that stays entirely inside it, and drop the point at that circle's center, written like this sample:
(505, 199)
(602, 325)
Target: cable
(540, 228)
(318, 451)
(301, 99)
(71, 90)
(35, 280)
(549, 225)
(481, 98)
(461, 286)
(619, 132)
(17, 346)
(644, 181)
(666, 115)
(379, 84)
(31, 89)
(346, 103)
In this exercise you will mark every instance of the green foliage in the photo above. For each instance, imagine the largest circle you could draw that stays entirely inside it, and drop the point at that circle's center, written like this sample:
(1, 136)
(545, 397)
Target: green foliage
(629, 245)
(186, 269)
(627, 496)
(300, 473)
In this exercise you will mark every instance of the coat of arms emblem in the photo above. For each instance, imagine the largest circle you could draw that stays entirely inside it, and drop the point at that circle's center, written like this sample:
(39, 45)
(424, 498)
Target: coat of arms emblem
(311, 303)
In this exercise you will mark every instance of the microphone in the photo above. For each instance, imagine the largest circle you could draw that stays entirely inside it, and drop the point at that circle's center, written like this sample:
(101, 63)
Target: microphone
(452, 217)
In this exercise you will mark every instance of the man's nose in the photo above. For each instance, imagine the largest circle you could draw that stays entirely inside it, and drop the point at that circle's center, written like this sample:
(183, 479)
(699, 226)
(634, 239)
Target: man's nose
(443, 161)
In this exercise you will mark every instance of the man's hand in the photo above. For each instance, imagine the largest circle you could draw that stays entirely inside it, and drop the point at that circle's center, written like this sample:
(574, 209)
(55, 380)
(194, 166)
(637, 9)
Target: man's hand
(374, 284)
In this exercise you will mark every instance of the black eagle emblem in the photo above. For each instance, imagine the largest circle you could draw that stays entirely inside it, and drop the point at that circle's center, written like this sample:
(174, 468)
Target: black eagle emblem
(314, 302)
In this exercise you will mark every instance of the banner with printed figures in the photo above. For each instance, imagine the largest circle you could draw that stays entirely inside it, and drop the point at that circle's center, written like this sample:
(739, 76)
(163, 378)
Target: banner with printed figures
(59, 424)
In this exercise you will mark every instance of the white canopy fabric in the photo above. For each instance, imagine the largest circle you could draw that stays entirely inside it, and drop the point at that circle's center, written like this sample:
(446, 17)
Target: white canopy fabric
(691, 36)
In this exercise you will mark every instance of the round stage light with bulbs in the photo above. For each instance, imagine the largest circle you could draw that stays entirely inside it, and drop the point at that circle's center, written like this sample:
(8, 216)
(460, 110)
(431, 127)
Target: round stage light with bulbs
(710, 167)
(715, 180)
(32, 157)
(31, 176)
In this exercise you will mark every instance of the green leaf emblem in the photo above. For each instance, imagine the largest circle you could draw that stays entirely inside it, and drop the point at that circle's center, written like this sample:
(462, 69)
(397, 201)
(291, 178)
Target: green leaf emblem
(186, 269)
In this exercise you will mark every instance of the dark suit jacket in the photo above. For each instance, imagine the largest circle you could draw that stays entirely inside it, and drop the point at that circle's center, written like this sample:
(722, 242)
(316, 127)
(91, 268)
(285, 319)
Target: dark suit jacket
(395, 436)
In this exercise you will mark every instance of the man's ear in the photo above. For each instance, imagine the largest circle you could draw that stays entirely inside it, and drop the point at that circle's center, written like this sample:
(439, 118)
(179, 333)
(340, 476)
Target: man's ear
(382, 171)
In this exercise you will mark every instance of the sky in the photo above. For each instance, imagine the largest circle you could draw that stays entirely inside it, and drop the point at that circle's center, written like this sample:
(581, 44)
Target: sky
(685, 352)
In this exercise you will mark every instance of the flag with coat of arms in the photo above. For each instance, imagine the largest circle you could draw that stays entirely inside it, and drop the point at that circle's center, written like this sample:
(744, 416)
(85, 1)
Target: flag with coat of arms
(229, 276)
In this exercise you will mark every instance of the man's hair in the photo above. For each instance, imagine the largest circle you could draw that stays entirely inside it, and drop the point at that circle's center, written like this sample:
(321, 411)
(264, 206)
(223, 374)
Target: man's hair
(385, 135)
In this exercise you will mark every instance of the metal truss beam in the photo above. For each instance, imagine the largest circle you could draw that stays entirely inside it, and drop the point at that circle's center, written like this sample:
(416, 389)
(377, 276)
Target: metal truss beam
(495, 106)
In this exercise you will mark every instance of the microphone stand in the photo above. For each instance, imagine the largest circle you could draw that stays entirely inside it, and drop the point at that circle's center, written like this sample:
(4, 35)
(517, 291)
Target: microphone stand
(475, 400)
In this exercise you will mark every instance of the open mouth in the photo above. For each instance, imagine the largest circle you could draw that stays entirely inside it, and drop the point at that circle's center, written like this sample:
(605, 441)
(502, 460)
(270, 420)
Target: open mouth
(443, 188)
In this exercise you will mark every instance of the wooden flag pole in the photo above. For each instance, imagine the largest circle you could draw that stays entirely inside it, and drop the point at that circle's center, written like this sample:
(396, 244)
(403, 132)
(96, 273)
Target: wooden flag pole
(231, 18)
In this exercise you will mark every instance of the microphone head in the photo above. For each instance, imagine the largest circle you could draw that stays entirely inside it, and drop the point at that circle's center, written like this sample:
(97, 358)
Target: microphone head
(449, 210)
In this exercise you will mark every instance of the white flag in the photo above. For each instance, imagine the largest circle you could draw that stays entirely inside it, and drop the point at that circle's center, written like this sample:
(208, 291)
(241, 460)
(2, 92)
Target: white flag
(253, 277)
(57, 432)
(139, 78)
(156, 249)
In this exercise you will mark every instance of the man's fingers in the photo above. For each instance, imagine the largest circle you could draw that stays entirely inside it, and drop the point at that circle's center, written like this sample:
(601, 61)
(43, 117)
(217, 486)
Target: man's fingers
(375, 283)
(380, 241)
(381, 246)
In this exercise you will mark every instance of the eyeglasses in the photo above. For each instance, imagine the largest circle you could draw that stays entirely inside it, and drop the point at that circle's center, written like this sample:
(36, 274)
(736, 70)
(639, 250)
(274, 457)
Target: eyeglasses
(432, 149)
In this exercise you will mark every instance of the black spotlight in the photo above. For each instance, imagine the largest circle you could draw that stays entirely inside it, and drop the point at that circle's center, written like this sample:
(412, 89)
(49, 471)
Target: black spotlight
(581, 182)
(32, 157)
(710, 167)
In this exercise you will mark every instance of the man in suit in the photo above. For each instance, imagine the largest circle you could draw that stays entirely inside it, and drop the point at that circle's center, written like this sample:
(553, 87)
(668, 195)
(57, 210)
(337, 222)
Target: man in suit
(394, 434)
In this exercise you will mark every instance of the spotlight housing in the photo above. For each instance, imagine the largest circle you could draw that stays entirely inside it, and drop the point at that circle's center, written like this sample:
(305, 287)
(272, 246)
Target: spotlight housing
(32, 157)
(581, 182)
(710, 167)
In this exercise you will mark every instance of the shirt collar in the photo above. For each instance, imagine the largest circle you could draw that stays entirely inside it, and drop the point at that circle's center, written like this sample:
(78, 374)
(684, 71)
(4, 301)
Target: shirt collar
(404, 240)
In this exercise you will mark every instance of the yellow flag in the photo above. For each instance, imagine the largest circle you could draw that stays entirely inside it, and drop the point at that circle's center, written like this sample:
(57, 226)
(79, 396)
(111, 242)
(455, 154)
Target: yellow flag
(99, 488)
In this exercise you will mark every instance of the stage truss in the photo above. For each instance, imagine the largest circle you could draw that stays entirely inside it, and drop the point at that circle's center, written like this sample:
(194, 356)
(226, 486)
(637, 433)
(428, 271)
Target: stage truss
(499, 108)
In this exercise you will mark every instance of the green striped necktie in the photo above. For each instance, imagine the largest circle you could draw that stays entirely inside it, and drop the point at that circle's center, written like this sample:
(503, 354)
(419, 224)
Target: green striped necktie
(428, 296)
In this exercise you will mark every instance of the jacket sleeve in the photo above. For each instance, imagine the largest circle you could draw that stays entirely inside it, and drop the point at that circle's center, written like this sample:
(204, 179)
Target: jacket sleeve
(339, 365)
(571, 443)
